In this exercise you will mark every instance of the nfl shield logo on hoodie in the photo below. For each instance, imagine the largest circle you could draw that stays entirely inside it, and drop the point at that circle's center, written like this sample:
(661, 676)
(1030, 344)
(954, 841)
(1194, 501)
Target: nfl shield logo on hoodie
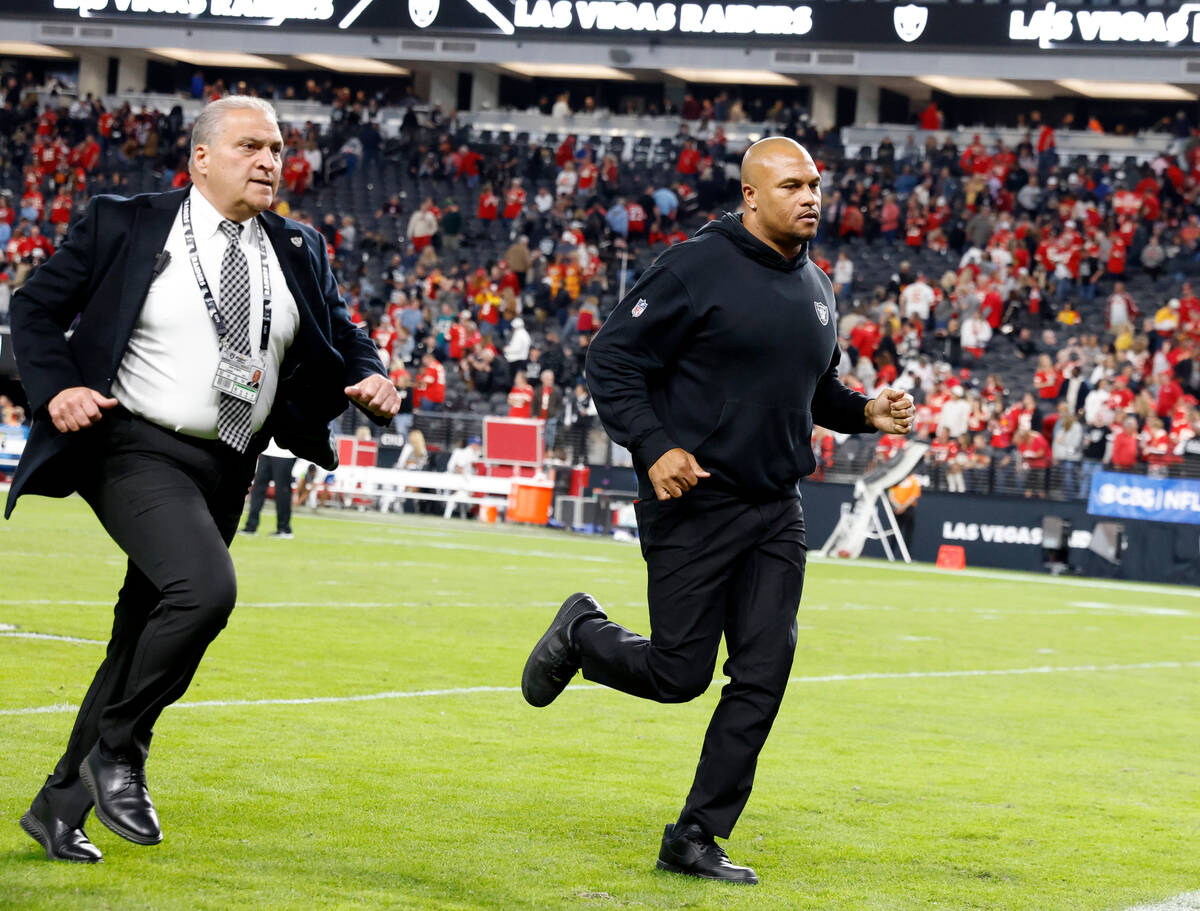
(639, 308)
(822, 312)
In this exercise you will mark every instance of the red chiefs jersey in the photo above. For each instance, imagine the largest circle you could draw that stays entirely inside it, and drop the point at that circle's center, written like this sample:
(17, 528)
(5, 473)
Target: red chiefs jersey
(432, 381)
(637, 217)
(1047, 383)
(520, 402)
(689, 161)
(1035, 451)
(36, 200)
(588, 172)
(489, 206)
(1127, 203)
(457, 338)
(943, 451)
(889, 444)
(60, 209)
(514, 202)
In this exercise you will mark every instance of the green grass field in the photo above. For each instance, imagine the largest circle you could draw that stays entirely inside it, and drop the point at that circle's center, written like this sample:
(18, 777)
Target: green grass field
(903, 772)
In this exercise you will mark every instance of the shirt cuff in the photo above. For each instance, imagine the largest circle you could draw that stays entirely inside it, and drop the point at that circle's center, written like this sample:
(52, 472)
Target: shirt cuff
(652, 447)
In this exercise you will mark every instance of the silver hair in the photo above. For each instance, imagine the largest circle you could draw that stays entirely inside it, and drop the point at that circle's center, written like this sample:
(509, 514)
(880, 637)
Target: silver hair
(208, 121)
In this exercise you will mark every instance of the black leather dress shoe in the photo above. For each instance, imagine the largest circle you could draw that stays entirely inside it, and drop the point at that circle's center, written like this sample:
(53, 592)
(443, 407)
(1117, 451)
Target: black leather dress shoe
(118, 788)
(555, 659)
(61, 841)
(692, 852)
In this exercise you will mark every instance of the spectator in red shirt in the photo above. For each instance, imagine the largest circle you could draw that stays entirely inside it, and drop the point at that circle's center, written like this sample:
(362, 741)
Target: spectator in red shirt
(489, 206)
(1158, 449)
(1046, 380)
(431, 385)
(1169, 394)
(637, 219)
(1125, 446)
(35, 245)
(520, 397)
(1046, 148)
(468, 165)
(88, 154)
(688, 164)
(865, 337)
(931, 117)
(822, 447)
(514, 200)
(297, 173)
(34, 201)
(384, 336)
(60, 209)
(1034, 453)
(588, 174)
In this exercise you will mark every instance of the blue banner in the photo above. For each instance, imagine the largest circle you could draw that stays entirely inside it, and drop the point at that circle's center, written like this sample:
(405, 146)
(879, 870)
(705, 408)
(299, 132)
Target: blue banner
(1131, 496)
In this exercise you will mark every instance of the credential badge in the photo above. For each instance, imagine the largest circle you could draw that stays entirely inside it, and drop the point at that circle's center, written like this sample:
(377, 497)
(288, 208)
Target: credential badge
(822, 312)
(639, 308)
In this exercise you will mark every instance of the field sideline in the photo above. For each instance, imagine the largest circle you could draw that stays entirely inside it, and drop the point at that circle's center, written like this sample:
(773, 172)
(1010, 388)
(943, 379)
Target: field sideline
(356, 738)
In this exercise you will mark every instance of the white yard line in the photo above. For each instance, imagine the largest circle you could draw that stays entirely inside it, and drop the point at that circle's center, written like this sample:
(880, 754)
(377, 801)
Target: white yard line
(1133, 608)
(1189, 902)
(474, 690)
(1015, 577)
(20, 634)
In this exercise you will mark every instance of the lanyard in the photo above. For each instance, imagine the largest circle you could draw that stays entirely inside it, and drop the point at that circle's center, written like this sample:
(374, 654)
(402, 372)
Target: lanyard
(209, 302)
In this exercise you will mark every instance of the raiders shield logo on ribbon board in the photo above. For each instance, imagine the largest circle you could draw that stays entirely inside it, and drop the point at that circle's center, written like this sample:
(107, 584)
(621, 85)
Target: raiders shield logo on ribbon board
(822, 312)
(910, 21)
(423, 12)
(639, 308)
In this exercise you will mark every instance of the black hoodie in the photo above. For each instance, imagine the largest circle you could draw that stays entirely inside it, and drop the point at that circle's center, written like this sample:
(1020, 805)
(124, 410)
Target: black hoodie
(728, 350)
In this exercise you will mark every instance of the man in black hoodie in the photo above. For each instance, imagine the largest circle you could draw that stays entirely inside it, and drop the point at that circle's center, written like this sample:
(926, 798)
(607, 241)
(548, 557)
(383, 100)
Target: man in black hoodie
(712, 371)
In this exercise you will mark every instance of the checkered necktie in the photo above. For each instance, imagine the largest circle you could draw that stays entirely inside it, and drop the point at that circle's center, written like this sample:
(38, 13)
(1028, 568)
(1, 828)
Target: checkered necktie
(233, 415)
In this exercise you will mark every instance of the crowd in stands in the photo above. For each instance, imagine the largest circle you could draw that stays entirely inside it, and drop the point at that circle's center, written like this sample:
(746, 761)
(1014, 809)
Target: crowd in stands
(1041, 311)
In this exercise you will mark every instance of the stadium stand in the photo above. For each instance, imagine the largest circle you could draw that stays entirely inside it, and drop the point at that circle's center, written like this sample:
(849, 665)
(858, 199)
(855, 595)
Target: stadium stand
(1033, 285)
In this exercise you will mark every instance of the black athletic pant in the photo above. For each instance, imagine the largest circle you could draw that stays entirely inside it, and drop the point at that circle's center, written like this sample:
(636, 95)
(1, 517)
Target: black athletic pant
(172, 504)
(275, 469)
(715, 566)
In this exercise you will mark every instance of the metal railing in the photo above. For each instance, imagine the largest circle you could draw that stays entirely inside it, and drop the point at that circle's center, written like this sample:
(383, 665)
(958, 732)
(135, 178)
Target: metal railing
(586, 442)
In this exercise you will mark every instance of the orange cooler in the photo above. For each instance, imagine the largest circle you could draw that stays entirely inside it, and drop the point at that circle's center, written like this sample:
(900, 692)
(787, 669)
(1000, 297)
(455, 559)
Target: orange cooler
(530, 503)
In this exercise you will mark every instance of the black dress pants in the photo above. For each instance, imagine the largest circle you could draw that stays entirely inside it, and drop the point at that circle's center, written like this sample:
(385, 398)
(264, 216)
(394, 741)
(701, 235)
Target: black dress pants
(172, 504)
(277, 470)
(716, 566)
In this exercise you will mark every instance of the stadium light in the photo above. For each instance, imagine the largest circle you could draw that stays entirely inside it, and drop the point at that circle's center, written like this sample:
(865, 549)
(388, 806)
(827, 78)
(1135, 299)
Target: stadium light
(567, 71)
(30, 49)
(230, 59)
(1133, 91)
(366, 65)
(731, 77)
(975, 87)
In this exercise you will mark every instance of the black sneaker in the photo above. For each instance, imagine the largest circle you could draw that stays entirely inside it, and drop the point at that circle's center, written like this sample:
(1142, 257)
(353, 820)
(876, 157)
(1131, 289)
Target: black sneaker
(693, 853)
(555, 659)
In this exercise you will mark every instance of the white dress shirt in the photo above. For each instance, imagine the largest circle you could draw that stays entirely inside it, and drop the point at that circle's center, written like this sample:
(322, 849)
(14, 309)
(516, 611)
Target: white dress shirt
(167, 372)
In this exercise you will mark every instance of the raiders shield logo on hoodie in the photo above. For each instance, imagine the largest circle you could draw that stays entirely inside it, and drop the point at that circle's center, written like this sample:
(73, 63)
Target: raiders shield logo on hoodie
(822, 312)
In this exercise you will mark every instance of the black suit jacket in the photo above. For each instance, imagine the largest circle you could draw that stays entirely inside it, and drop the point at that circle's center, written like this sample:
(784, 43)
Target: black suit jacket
(101, 276)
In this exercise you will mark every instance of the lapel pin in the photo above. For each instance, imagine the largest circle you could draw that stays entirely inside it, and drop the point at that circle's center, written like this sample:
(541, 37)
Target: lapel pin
(297, 241)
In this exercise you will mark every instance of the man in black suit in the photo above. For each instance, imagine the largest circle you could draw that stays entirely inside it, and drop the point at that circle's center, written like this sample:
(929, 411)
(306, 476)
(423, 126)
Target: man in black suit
(204, 325)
